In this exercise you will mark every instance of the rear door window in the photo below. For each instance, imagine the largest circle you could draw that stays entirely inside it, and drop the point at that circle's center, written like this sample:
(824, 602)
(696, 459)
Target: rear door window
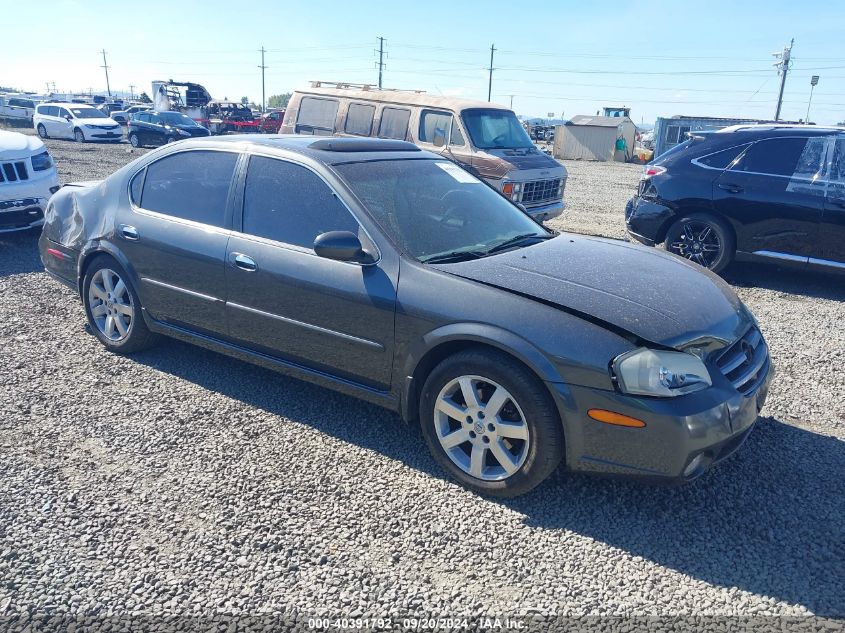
(720, 160)
(190, 185)
(794, 157)
(394, 123)
(289, 203)
(359, 119)
(316, 116)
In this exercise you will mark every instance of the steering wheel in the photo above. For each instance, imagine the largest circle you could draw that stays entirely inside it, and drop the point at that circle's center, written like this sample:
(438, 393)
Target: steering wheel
(457, 206)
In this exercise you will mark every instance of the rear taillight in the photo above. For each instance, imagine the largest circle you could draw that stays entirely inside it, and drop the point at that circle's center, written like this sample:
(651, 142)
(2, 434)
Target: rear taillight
(653, 170)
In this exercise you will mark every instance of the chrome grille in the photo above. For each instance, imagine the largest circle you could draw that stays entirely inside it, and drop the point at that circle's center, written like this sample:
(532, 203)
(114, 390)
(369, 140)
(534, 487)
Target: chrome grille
(746, 362)
(13, 172)
(540, 190)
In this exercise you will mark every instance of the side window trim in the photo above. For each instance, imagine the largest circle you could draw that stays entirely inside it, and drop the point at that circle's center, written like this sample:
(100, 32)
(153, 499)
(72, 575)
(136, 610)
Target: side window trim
(227, 214)
(697, 163)
(239, 211)
(819, 173)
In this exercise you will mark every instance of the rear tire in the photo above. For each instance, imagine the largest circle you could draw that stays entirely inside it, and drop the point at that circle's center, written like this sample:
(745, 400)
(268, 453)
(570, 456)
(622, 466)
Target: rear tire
(490, 423)
(42, 131)
(113, 307)
(701, 238)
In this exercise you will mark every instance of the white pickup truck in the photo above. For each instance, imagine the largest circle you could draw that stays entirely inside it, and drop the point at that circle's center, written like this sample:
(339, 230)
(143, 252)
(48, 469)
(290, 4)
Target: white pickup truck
(16, 109)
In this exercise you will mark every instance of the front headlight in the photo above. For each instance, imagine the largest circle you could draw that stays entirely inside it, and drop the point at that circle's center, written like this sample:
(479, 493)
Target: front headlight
(42, 161)
(184, 133)
(648, 372)
(90, 126)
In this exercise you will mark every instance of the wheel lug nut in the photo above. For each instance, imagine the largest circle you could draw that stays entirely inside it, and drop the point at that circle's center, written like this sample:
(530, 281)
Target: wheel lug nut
(472, 435)
(481, 415)
(469, 419)
(491, 427)
(485, 439)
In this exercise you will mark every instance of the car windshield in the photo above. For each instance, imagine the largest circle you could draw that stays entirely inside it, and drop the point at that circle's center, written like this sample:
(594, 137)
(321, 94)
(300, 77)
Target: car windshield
(176, 118)
(88, 113)
(434, 210)
(495, 129)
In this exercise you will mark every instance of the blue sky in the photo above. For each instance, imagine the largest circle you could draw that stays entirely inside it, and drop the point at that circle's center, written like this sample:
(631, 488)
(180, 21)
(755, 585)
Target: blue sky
(709, 59)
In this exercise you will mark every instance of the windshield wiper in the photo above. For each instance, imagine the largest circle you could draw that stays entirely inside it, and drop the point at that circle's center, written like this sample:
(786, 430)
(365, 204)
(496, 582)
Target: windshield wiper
(453, 256)
(514, 241)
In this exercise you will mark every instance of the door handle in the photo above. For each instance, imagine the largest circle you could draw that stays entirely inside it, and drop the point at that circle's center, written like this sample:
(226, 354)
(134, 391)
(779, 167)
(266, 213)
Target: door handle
(129, 233)
(731, 188)
(244, 262)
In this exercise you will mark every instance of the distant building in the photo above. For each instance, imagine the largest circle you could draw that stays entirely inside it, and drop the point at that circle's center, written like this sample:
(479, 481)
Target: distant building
(604, 138)
(669, 131)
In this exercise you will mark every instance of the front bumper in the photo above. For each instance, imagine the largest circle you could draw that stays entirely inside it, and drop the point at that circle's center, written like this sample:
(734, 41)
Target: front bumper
(546, 211)
(682, 439)
(22, 203)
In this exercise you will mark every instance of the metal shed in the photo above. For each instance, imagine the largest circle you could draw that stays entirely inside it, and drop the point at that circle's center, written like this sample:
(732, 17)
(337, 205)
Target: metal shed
(594, 138)
(669, 131)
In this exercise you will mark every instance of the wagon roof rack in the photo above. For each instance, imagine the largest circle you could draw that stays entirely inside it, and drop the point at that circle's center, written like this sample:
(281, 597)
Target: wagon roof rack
(340, 85)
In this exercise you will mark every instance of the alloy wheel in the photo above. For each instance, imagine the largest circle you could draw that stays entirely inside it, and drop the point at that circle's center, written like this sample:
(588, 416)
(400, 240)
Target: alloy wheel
(481, 428)
(698, 242)
(110, 303)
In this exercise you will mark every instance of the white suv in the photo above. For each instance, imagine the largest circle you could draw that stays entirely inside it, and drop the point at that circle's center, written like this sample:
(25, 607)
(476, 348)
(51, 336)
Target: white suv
(27, 180)
(77, 121)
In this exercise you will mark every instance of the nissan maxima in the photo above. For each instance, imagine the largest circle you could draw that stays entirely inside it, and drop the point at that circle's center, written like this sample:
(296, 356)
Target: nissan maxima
(388, 273)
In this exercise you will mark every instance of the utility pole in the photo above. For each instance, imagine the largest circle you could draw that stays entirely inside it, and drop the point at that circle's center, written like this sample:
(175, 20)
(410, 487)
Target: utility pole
(380, 60)
(263, 68)
(131, 92)
(783, 68)
(490, 81)
(813, 81)
(511, 96)
(106, 68)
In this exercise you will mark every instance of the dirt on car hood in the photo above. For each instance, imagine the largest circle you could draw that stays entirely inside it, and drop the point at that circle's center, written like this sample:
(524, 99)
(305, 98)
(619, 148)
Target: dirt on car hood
(650, 294)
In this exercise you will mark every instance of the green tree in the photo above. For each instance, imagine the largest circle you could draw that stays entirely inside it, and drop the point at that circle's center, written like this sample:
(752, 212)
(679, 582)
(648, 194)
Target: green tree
(279, 101)
(245, 100)
(144, 98)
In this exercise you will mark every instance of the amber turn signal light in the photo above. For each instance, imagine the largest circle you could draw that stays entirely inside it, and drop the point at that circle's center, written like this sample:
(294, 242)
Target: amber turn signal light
(609, 417)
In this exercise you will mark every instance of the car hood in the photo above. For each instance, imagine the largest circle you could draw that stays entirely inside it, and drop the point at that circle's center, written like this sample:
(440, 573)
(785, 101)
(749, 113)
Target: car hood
(496, 163)
(14, 145)
(655, 296)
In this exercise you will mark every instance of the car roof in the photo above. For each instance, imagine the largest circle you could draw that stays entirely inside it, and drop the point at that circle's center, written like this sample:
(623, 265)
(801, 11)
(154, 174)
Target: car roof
(774, 129)
(324, 149)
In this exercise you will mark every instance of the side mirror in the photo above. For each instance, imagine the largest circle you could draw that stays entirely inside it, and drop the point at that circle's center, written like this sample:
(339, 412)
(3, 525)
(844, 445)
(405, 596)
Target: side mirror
(439, 137)
(343, 246)
(68, 117)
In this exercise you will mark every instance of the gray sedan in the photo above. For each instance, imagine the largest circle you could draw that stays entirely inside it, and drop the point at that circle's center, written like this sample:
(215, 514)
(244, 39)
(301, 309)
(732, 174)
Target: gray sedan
(391, 274)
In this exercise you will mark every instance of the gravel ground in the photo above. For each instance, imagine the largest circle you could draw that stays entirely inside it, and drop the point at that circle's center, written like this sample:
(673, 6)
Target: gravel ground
(182, 482)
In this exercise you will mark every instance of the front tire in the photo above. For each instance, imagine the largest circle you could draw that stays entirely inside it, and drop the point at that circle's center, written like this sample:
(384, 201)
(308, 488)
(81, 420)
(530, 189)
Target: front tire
(490, 423)
(78, 136)
(42, 131)
(113, 307)
(703, 239)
